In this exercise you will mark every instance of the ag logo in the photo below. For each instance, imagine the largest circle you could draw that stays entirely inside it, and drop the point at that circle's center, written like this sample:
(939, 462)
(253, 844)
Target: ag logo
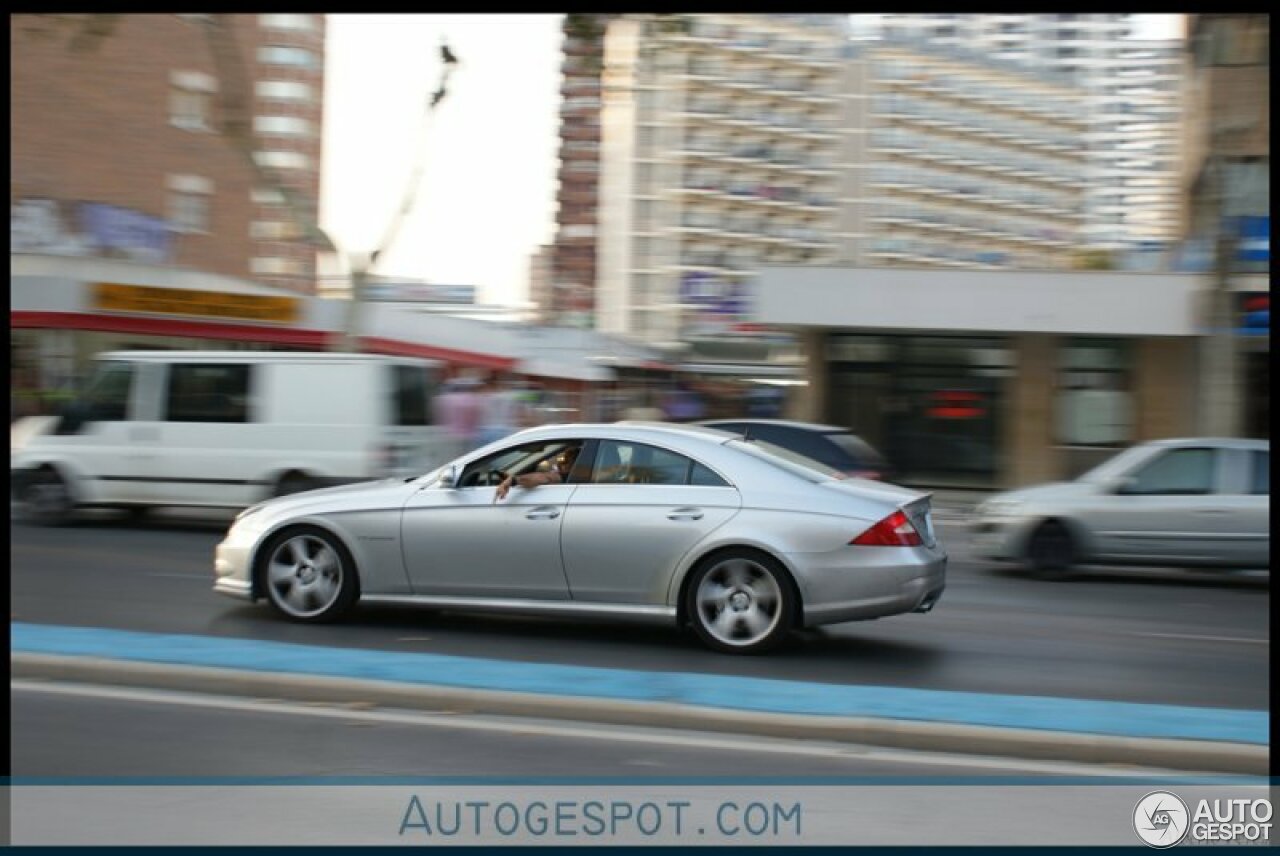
(1161, 819)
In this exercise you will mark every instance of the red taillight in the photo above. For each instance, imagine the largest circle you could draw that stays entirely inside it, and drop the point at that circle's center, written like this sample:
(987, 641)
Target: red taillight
(894, 531)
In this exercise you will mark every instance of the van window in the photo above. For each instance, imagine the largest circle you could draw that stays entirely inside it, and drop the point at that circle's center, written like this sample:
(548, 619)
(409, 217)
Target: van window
(205, 392)
(410, 391)
(107, 397)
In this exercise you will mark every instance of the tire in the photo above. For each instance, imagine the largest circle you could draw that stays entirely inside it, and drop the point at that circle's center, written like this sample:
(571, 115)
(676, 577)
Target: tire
(741, 602)
(1051, 551)
(308, 575)
(45, 498)
(293, 483)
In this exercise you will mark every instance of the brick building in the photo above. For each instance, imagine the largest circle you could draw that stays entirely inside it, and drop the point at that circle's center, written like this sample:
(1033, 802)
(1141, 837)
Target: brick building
(119, 146)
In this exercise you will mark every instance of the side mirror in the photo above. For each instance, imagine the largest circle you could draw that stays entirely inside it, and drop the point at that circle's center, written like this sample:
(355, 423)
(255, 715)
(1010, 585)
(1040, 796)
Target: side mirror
(448, 477)
(1123, 484)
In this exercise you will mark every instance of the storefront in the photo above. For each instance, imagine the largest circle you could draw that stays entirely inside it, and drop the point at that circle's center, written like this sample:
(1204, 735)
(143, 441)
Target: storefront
(986, 379)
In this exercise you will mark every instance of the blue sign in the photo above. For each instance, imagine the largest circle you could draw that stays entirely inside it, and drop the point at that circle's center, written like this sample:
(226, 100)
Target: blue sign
(1254, 236)
(126, 231)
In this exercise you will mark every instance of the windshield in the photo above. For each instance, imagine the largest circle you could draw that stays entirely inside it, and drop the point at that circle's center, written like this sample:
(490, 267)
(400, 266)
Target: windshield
(1114, 466)
(796, 464)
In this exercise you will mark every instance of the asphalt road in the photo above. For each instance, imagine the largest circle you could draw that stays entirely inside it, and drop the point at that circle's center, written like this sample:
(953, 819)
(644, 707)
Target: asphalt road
(1162, 636)
(71, 730)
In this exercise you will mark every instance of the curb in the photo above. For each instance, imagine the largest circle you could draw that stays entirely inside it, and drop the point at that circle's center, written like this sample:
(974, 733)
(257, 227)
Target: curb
(1184, 755)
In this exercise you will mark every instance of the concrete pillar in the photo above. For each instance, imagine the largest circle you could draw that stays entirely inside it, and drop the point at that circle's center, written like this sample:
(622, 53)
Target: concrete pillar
(809, 403)
(1029, 453)
(1164, 390)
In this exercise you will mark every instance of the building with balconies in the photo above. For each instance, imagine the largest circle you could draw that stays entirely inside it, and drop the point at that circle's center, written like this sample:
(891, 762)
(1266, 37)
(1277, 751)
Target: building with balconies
(956, 162)
(1134, 94)
(719, 153)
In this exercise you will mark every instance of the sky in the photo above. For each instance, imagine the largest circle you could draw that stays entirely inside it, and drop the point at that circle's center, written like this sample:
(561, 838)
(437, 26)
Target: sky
(487, 195)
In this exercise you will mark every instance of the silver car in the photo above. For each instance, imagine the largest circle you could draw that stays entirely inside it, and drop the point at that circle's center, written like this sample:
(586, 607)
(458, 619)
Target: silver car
(1197, 502)
(740, 540)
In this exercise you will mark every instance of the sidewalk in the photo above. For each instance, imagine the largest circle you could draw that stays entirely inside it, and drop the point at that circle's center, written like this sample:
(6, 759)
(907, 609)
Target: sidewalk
(1146, 735)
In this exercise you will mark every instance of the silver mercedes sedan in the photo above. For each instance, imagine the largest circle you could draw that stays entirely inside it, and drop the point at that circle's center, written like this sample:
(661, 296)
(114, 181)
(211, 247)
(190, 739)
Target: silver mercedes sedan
(1191, 502)
(741, 540)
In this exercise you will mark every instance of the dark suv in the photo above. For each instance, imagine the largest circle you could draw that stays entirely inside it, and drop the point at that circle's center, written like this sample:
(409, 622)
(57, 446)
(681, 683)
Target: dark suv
(838, 448)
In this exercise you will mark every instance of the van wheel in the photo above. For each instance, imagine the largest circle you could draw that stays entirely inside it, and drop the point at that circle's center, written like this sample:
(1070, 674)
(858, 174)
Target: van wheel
(293, 483)
(741, 602)
(308, 575)
(46, 498)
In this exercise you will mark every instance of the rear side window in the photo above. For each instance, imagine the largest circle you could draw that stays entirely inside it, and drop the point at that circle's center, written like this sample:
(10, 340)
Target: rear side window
(203, 392)
(410, 394)
(621, 462)
(1261, 481)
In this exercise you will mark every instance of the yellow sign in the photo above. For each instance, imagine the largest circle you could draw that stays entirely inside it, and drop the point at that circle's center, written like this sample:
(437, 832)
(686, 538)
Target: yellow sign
(114, 297)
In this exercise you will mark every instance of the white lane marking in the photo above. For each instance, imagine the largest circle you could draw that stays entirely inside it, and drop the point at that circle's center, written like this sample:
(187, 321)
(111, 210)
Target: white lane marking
(1204, 638)
(574, 730)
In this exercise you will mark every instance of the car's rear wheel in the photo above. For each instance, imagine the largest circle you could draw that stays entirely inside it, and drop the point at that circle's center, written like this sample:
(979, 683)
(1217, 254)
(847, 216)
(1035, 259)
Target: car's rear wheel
(308, 575)
(45, 498)
(1051, 552)
(741, 602)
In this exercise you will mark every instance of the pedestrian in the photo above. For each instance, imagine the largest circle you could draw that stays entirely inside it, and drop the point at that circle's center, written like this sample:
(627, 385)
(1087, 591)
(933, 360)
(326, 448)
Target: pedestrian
(500, 410)
(457, 409)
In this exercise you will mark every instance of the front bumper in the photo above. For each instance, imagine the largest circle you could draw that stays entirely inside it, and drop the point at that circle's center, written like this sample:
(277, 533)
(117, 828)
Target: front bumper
(996, 537)
(232, 563)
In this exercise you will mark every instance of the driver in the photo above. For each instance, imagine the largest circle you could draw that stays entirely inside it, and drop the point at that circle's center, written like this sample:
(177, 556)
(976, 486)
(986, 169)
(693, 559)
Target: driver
(561, 466)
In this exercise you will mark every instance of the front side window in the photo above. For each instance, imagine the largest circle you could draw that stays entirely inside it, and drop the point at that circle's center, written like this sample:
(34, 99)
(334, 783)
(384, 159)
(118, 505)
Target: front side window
(1177, 472)
(490, 470)
(107, 397)
(208, 393)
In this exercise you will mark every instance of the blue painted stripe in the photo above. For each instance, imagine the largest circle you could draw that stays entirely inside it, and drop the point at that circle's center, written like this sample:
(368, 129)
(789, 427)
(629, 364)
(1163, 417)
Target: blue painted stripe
(1126, 719)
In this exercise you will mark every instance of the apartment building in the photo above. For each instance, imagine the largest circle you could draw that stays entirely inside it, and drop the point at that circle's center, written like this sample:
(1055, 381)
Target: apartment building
(573, 254)
(719, 143)
(118, 146)
(953, 160)
(1133, 105)
(1227, 194)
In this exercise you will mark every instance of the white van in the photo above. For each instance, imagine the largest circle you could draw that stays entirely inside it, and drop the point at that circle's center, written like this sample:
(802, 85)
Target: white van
(225, 429)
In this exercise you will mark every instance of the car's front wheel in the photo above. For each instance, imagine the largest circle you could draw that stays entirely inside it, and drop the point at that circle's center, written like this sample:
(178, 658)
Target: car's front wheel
(309, 575)
(1051, 551)
(45, 498)
(741, 602)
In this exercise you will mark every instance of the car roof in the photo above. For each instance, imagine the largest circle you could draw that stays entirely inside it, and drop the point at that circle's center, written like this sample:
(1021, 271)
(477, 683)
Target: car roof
(636, 427)
(782, 423)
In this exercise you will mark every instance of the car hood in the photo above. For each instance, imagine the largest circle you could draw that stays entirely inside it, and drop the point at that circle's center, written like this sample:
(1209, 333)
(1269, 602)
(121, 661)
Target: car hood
(1038, 493)
(382, 493)
(26, 429)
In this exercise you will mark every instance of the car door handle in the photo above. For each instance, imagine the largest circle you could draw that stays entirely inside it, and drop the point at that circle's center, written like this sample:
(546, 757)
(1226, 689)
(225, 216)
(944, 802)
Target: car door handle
(543, 513)
(685, 514)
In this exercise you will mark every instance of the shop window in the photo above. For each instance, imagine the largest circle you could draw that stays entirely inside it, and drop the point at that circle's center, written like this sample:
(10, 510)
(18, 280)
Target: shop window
(1094, 406)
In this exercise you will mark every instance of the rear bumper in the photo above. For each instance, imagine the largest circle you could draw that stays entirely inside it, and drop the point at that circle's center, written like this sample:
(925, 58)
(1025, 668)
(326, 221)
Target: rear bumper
(858, 583)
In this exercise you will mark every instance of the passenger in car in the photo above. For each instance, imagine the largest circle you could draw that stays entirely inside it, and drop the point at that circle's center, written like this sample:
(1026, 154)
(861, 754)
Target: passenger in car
(561, 466)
